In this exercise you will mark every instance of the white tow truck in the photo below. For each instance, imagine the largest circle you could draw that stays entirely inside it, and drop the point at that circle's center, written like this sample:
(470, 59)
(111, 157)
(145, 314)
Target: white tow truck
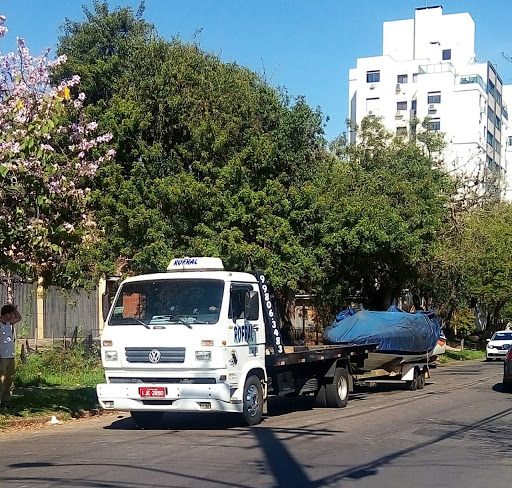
(202, 339)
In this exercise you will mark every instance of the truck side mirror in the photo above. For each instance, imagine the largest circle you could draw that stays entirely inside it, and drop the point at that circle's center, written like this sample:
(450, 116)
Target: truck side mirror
(252, 305)
(105, 304)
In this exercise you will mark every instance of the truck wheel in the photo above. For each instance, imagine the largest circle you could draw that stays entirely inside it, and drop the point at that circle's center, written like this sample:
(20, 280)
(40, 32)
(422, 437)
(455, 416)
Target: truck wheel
(253, 400)
(147, 420)
(320, 399)
(336, 393)
(413, 385)
(421, 381)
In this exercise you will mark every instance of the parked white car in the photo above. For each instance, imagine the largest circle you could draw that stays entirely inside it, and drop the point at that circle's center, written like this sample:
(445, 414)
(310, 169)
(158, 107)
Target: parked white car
(499, 344)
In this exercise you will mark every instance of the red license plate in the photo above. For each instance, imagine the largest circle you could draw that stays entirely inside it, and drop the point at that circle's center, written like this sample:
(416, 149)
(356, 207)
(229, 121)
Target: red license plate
(152, 391)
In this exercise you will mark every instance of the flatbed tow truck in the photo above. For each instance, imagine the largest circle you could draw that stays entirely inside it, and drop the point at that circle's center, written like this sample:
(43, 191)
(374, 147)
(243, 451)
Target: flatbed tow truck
(202, 339)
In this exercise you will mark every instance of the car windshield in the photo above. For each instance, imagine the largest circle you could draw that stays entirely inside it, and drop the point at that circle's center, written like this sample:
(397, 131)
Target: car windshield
(502, 336)
(186, 301)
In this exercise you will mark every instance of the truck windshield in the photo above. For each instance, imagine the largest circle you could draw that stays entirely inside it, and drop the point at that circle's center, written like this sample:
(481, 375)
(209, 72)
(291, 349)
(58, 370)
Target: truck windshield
(186, 301)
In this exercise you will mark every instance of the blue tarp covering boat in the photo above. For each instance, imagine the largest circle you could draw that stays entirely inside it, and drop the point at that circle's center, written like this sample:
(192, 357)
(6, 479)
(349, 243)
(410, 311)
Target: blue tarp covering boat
(394, 330)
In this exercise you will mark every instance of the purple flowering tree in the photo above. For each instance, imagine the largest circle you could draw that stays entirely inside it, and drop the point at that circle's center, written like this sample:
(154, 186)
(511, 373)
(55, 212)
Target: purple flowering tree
(48, 157)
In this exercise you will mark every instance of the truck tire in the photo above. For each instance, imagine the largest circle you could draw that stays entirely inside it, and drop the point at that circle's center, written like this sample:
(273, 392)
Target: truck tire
(253, 401)
(320, 399)
(413, 385)
(336, 393)
(147, 420)
(421, 381)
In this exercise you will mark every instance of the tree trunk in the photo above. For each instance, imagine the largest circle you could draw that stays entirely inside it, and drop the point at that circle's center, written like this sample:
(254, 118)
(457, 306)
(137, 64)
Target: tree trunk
(9, 288)
(285, 305)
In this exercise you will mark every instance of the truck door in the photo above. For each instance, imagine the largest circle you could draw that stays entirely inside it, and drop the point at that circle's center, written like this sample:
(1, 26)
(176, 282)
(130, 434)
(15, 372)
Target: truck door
(246, 328)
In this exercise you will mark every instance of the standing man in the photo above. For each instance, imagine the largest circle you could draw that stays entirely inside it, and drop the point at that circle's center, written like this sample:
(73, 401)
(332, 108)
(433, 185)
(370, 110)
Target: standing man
(8, 317)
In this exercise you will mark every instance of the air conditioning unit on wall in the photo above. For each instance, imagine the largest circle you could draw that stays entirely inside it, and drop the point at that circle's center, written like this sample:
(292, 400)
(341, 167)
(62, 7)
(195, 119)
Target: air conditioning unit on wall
(370, 112)
(432, 106)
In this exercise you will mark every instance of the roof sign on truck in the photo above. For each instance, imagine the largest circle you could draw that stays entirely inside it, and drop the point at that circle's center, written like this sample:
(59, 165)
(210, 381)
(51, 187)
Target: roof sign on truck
(195, 264)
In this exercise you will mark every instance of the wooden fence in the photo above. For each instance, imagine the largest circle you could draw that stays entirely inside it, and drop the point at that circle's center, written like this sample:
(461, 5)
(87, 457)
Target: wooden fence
(56, 313)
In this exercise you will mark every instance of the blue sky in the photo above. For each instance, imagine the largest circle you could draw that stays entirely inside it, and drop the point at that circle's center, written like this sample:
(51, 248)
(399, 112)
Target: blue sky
(305, 46)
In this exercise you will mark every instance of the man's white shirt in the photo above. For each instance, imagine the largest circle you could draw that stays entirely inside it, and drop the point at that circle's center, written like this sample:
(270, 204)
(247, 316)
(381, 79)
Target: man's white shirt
(6, 341)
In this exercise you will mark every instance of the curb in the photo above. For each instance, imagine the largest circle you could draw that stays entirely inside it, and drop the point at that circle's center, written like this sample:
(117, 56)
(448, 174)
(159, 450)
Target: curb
(16, 423)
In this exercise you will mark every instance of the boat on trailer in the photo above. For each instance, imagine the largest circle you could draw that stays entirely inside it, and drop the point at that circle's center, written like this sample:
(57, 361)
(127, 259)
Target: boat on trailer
(403, 337)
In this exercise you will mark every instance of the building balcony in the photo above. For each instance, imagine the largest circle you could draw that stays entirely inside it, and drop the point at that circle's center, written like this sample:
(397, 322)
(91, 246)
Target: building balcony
(430, 69)
(468, 79)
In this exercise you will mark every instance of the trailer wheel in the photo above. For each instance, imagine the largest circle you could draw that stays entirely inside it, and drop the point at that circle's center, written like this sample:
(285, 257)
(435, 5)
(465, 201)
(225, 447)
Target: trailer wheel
(421, 381)
(413, 385)
(147, 420)
(253, 401)
(336, 393)
(320, 399)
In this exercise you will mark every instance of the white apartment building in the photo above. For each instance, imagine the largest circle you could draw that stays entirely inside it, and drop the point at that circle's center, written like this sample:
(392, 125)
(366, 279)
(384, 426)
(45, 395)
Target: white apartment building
(428, 68)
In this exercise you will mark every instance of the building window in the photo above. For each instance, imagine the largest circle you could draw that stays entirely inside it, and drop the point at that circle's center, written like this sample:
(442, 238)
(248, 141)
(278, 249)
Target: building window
(497, 123)
(509, 141)
(497, 147)
(490, 139)
(413, 104)
(401, 131)
(490, 88)
(490, 114)
(401, 105)
(415, 78)
(401, 79)
(434, 124)
(447, 54)
(372, 104)
(434, 97)
(372, 76)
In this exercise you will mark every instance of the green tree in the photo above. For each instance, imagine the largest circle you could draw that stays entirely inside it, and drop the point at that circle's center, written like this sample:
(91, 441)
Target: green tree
(384, 204)
(472, 266)
(210, 159)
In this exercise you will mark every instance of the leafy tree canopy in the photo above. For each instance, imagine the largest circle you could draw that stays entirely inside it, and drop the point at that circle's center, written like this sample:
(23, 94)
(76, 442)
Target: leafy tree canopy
(211, 160)
(208, 155)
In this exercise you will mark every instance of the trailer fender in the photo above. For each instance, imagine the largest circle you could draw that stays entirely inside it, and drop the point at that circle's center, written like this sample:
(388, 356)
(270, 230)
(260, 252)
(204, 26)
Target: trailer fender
(408, 370)
(250, 368)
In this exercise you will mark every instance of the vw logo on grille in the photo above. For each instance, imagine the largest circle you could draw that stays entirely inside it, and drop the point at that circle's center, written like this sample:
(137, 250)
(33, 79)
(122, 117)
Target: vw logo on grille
(154, 356)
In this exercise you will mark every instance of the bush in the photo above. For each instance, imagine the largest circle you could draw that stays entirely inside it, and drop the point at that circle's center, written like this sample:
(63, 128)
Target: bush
(57, 366)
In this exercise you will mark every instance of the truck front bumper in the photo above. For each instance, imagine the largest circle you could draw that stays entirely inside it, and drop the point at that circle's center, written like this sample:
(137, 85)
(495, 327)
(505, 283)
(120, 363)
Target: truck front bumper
(179, 398)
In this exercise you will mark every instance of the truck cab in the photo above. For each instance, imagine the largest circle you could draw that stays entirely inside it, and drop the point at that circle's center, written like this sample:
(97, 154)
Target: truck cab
(191, 339)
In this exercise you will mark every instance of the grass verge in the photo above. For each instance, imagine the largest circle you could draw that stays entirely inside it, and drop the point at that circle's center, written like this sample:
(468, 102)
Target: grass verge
(450, 356)
(55, 381)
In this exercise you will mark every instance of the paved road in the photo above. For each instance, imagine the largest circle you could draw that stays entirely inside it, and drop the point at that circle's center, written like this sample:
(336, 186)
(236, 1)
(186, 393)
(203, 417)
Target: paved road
(457, 432)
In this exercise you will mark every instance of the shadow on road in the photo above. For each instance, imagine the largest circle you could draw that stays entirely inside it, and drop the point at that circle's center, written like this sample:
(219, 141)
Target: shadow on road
(500, 388)
(185, 421)
(280, 462)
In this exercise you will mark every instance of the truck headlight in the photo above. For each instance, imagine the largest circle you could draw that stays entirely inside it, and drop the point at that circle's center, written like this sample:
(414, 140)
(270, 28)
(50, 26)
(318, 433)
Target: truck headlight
(203, 355)
(110, 355)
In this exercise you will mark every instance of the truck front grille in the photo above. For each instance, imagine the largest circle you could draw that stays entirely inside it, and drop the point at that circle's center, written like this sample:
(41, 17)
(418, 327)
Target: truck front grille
(167, 354)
